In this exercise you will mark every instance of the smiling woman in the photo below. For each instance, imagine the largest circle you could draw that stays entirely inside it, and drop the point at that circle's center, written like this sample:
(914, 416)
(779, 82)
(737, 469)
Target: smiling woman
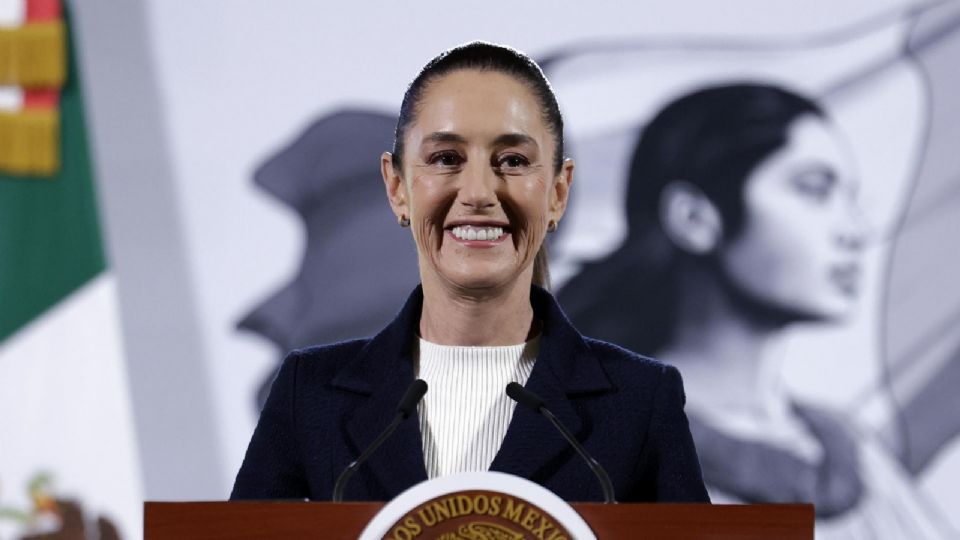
(480, 164)
(478, 174)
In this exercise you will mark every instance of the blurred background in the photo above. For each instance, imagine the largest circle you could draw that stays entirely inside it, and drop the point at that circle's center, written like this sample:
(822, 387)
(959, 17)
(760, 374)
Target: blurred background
(190, 189)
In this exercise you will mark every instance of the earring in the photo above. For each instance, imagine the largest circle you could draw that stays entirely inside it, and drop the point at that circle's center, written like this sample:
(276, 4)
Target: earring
(403, 220)
(551, 226)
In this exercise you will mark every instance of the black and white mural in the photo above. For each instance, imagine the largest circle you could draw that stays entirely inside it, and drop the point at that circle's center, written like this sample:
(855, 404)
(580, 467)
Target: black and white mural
(783, 241)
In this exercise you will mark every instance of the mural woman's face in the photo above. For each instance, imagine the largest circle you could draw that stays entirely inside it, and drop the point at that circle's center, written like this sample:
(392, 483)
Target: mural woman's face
(800, 247)
(478, 182)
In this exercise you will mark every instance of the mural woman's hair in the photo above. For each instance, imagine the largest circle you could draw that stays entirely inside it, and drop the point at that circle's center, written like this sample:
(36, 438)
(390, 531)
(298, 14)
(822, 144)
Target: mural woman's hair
(712, 138)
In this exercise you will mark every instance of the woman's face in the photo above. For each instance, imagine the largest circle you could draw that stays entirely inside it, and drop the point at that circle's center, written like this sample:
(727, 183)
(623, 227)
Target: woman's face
(478, 182)
(800, 247)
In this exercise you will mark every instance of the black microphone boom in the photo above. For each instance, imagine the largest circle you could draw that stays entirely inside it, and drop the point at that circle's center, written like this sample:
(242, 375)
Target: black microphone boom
(527, 398)
(406, 407)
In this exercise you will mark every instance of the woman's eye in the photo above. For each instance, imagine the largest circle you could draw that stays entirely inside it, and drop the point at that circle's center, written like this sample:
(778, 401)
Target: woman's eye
(446, 159)
(512, 161)
(816, 186)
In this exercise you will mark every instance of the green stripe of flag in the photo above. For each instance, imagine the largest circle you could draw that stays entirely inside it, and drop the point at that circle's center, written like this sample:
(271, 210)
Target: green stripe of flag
(50, 241)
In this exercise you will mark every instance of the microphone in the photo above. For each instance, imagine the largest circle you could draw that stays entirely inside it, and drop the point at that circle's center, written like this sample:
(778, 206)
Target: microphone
(527, 398)
(406, 407)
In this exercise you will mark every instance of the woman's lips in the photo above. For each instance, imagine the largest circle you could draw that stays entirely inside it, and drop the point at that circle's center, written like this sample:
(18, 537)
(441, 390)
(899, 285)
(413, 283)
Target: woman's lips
(478, 236)
(846, 278)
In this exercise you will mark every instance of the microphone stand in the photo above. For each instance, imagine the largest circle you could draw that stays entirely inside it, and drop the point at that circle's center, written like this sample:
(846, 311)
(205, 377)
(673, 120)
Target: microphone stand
(529, 399)
(405, 408)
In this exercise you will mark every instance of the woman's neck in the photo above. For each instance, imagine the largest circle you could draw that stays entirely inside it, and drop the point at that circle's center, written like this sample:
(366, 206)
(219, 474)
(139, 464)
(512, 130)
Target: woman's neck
(729, 358)
(488, 317)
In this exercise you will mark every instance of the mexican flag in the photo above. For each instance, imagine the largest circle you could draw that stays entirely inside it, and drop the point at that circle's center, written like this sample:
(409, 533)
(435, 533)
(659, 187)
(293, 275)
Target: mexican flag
(66, 424)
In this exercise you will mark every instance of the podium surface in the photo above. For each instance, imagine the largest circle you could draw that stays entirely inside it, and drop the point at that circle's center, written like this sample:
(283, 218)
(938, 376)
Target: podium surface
(265, 520)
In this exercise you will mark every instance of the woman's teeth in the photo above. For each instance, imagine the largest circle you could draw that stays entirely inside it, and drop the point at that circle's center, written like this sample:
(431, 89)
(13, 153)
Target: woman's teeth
(468, 232)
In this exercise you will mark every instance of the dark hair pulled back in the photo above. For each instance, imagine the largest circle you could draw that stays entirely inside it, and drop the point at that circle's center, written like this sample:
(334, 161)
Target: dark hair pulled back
(485, 56)
(712, 138)
(482, 56)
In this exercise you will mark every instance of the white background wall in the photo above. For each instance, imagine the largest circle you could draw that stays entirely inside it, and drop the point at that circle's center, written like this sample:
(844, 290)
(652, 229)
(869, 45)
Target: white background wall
(228, 83)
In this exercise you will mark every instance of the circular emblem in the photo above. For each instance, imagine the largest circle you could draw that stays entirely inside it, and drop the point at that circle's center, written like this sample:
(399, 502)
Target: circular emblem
(477, 506)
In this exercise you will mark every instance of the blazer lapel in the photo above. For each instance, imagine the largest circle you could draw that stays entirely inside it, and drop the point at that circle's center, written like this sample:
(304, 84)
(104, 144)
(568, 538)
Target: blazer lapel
(532, 444)
(398, 464)
(379, 376)
(565, 368)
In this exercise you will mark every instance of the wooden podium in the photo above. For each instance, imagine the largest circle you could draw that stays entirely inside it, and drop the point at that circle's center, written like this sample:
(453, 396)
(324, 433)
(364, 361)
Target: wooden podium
(289, 520)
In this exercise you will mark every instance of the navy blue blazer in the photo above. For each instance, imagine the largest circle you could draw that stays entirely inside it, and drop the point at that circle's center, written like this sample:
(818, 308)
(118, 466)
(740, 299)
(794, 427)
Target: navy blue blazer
(329, 402)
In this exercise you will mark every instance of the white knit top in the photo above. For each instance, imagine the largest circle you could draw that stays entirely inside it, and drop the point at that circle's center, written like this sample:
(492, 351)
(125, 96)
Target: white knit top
(465, 414)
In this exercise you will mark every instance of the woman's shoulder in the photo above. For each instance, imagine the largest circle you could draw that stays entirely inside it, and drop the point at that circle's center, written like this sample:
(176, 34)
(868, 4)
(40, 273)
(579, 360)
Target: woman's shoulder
(626, 365)
(611, 353)
(318, 363)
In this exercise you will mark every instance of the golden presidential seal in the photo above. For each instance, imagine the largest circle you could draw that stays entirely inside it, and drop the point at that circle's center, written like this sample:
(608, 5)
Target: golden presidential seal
(477, 506)
(477, 515)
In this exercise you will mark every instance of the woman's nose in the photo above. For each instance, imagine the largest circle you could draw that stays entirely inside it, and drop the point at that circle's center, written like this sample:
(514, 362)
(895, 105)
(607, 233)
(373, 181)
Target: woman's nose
(478, 186)
(855, 231)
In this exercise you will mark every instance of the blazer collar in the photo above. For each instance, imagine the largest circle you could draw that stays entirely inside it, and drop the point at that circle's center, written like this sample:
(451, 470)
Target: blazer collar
(565, 368)
(382, 371)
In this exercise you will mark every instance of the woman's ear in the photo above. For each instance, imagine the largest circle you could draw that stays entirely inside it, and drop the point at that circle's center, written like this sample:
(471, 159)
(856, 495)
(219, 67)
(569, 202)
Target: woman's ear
(396, 191)
(560, 193)
(689, 218)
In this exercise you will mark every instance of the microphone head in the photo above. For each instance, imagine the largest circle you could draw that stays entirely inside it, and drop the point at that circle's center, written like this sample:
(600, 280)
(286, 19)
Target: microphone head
(523, 396)
(412, 397)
